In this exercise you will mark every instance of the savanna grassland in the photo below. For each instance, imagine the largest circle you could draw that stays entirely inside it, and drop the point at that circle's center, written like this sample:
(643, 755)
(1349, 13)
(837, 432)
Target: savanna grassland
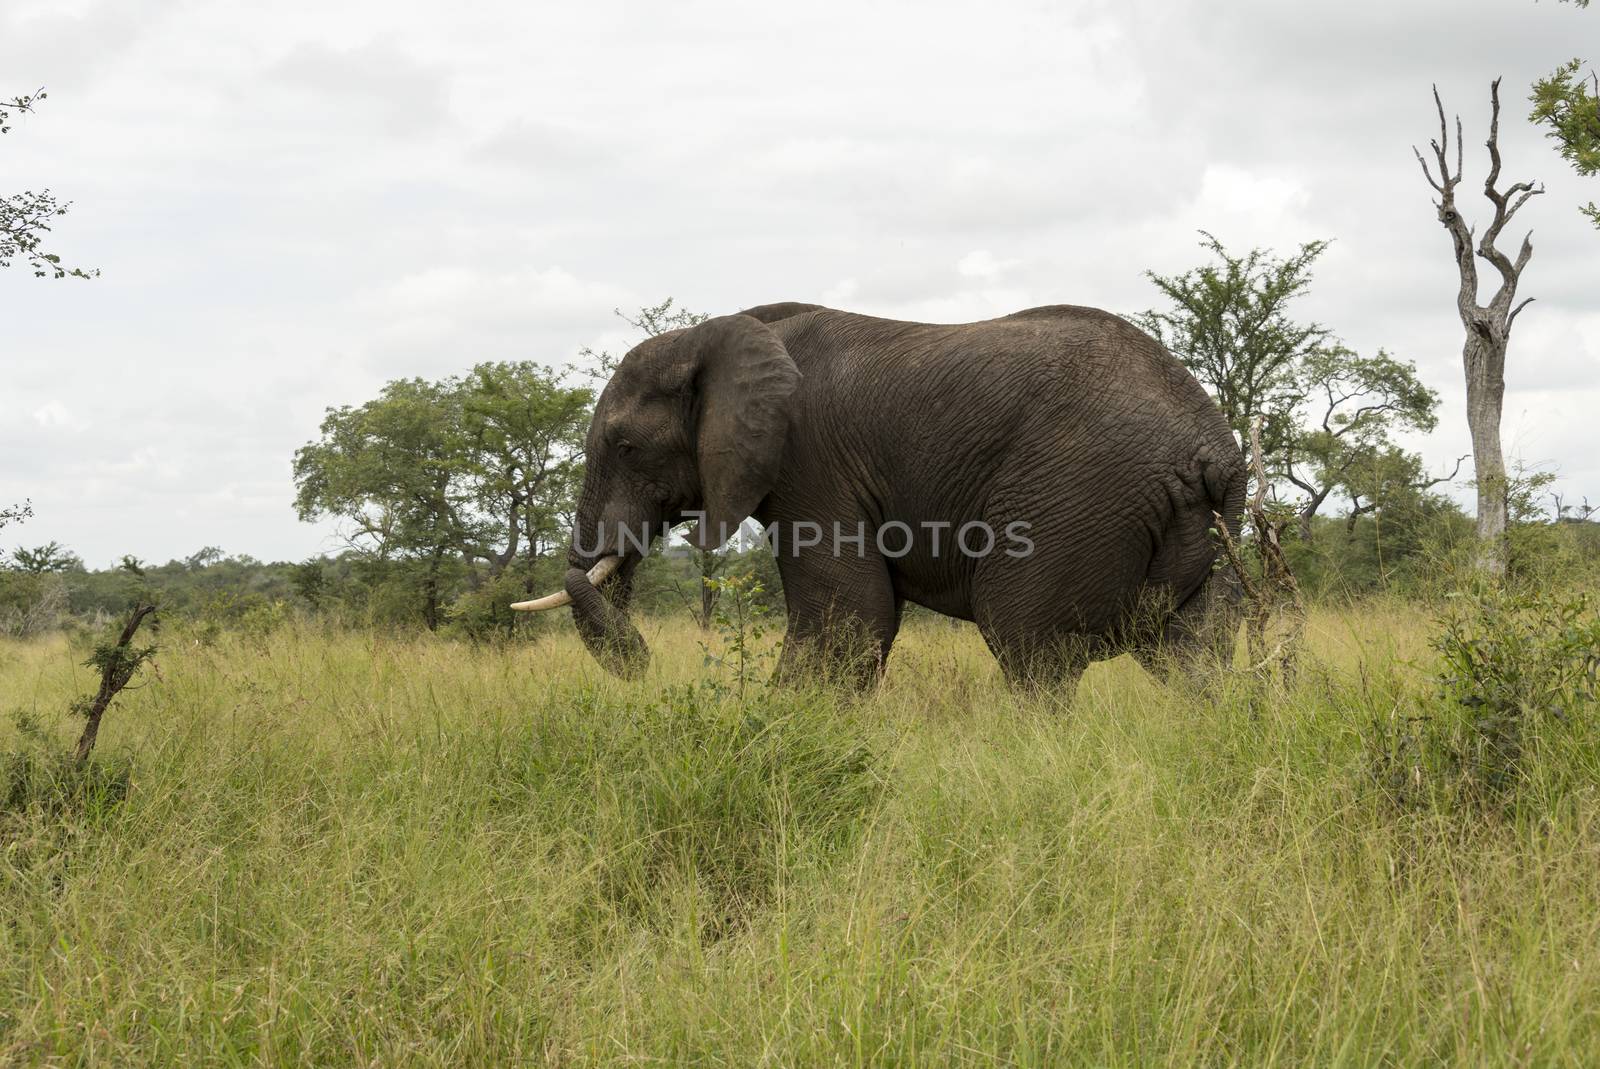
(312, 847)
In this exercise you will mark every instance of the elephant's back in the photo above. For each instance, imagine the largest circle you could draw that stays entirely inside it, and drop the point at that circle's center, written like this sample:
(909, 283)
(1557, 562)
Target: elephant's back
(947, 402)
(1059, 357)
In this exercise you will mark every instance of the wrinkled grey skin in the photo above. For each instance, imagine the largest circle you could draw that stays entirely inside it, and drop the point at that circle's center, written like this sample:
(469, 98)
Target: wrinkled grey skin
(1068, 419)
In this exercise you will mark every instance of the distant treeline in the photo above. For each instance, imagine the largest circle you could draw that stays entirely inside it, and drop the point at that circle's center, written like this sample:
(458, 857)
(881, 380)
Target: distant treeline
(351, 589)
(47, 588)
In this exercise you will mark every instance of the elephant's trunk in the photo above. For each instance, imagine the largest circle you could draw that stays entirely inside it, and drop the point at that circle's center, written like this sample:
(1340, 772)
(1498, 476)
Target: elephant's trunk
(599, 583)
(601, 614)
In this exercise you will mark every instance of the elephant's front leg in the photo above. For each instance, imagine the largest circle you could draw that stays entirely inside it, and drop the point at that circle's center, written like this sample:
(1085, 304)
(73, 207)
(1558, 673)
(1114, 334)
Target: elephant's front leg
(843, 617)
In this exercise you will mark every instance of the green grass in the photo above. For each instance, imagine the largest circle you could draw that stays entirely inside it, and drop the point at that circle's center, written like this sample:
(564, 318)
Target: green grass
(313, 849)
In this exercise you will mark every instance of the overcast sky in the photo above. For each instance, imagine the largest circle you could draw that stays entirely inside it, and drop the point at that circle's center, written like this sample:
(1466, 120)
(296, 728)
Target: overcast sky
(293, 203)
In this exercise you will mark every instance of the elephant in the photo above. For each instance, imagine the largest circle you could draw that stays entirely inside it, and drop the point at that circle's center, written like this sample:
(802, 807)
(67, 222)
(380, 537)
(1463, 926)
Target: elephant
(1103, 460)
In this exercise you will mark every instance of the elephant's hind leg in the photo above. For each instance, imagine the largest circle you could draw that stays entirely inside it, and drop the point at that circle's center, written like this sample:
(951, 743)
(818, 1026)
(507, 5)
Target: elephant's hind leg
(1199, 636)
(1035, 660)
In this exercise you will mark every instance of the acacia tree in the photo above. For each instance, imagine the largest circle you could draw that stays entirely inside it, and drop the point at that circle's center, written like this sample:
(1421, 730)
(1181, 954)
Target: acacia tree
(1353, 404)
(1488, 326)
(1229, 323)
(395, 470)
(48, 558)
(26, 217)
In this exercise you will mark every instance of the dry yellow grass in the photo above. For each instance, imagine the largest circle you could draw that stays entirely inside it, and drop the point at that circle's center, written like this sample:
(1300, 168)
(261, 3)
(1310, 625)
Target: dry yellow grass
(343, 848)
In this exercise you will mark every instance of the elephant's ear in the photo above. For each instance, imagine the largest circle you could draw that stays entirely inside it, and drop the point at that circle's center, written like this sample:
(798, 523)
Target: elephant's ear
(742, 377)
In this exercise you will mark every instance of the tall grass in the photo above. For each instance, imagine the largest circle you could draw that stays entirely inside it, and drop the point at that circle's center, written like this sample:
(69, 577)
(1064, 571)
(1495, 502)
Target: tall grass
(333, 848)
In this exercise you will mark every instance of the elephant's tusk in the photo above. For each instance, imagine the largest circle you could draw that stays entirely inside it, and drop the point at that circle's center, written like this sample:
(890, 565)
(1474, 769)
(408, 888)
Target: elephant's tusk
(597, 575)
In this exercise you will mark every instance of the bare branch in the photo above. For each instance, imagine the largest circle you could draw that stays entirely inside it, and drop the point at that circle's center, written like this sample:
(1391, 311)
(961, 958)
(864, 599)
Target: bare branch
(1425, 172)
(1512, 318)
(1506, 204)
(1445, 478)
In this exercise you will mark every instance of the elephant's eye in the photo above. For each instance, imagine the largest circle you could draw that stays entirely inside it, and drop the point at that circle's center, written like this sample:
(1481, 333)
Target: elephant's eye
(626, 450)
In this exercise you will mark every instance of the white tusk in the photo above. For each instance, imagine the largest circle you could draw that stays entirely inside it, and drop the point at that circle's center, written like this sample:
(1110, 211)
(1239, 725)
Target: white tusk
(597, 575)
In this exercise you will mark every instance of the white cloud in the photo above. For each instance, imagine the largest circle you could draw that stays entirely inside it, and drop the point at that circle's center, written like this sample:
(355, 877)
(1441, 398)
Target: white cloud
(53, 415)
(1243, 198)
(981, 263)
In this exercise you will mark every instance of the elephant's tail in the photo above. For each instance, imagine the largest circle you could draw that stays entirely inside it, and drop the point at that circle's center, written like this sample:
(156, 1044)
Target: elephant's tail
(1209, 616)
(1225, 480)
(1204, 595)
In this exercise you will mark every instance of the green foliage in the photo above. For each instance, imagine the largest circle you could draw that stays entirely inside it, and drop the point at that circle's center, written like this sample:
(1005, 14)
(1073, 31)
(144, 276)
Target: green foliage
(395, 468)
(116, 664)
(1515, 668)
(484, 611)
(1353, 405)
(15, 513)
(26, 217)
(1568, 106)
(526, 431)
(1413, 545)
(41, 784)
(1328, 413)
(437, 479)
(32, 603)
(741, 622)
(50, 557)
(1229, 323)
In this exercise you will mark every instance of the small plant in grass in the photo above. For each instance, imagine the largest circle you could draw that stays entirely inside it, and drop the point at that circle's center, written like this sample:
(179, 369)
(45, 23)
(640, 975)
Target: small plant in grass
(740, 617)
(117, 662)
(1513, 667)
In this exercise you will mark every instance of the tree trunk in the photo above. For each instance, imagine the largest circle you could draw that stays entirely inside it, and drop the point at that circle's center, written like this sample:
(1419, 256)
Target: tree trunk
(1482, 356)
(1308, 513)
(710, 565)
(430, 586)
(499, 563)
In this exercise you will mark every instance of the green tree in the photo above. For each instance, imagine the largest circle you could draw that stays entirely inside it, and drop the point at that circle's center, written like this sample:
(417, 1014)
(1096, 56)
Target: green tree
(1229, 322)
(444, 483)
(26, 217)
(524, 430)
(1567, 105)
(398, 471)
(48, 558)
(1352, 406)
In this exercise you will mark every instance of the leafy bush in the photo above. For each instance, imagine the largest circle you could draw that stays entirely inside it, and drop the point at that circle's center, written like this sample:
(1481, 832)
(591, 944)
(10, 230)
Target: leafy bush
(741, 619)
(31, 604)
(40, 779)
(485, 611)
(1515, 668)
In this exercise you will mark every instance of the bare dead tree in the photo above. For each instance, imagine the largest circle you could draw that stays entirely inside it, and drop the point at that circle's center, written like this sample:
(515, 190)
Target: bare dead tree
(1488, 327)
(118, 663)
